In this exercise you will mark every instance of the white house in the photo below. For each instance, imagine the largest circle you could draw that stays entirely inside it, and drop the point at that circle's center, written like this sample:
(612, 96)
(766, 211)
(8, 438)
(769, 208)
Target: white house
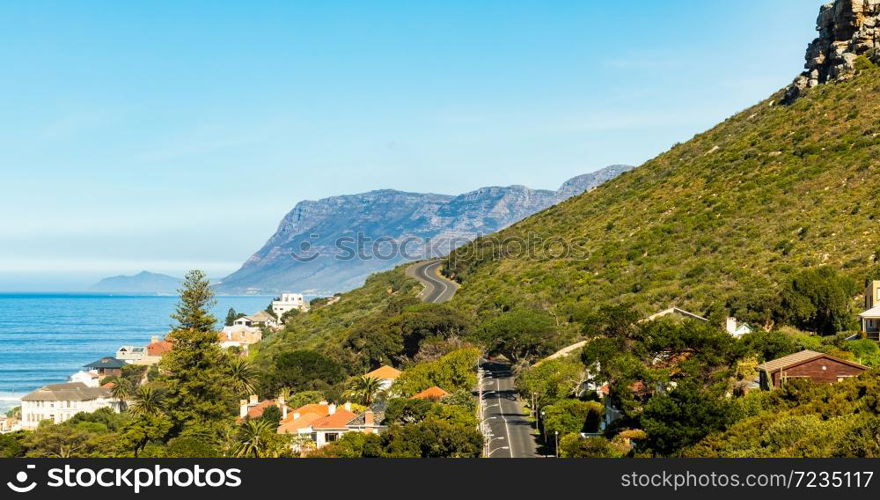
(239, 336)
(89, 379)
(131, 353)
(289, 302)
(60, 402)
(870, 319)
(737, 329)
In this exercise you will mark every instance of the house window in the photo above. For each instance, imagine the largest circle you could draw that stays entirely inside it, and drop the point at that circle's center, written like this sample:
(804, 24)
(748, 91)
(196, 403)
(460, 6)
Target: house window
(332, 436)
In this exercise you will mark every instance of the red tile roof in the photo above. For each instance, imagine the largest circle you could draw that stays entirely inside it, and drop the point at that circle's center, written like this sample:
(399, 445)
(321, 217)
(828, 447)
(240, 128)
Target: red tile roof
(159, 348)
(257, 410)
(293, 425)
(384, 373)
(431, 393)
(336, 421)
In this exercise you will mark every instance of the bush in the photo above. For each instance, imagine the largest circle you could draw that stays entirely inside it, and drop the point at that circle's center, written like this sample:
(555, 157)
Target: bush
(574, 446)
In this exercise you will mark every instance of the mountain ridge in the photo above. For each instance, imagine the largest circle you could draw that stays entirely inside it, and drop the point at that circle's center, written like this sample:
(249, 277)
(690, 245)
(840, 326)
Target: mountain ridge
(303, 253)
(144, 282)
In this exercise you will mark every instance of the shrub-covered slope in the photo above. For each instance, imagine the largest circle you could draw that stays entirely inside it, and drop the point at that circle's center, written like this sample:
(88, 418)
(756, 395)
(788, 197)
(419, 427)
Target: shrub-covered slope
(718, 221)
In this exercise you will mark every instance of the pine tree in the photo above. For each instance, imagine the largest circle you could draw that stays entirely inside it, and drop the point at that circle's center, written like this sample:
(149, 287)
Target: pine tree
(196, 299)
(199, 394)
(231, 316)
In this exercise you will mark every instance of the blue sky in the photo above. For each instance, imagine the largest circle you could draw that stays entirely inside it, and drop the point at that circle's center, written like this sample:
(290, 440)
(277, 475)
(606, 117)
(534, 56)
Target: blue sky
(170, 135)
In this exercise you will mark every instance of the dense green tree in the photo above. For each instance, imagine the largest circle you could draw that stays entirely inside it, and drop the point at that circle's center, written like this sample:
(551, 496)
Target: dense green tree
(574, 446)
(231, 316)
(770, 345)
(193, 311)
(572, 416)
(819, 300)
(190, 447)
(301, 370)
(199, 395)
(271, 414)
(403, 411)
(11, 446)
(521, 334)
(452, 372)
(352, 445)
(143, 429)
(288, 316)
(552, 381)
(432, 438)
(683, 416)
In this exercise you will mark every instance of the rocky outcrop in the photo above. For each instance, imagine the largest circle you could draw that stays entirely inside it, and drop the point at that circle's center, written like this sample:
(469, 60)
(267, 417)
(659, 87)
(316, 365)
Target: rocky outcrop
(333, 244)
(847, 29)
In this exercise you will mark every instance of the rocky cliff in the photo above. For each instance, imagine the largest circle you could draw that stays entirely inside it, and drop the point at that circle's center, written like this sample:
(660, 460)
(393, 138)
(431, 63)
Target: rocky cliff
(847, 29)
(333, 244)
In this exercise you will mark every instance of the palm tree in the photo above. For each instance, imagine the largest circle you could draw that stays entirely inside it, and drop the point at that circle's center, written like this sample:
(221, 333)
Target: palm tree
(254, 439)
(121, 392)
(146, 401)
(242, 375)
(365, 390)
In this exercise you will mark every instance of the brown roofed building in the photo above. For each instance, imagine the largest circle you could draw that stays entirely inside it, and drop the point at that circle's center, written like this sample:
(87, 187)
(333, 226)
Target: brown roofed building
(815, 366)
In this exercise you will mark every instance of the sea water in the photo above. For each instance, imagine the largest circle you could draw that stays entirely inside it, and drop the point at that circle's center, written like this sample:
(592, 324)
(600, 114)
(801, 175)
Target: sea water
(45, 338)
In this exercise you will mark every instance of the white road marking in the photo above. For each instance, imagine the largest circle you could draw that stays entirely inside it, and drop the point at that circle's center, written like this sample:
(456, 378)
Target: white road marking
(506, 427)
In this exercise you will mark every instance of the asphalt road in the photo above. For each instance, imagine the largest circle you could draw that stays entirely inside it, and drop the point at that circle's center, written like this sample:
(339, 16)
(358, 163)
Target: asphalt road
(437, 288)
(504, 423)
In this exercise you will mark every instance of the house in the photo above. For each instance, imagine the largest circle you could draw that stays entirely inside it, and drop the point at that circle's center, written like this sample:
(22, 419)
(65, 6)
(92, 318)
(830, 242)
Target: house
(815, 366)
(106, 367)
(301, 418)
(870, 319)
(323, 422)
(386, 376)
(60, 402)
(243, 321)
(371, 421)
(261, 318)
(131, 354)
(153, 352)
(90, 379)
(239, 336)
(431, 394)
(674, 312)
(289, 302)
(737, 329)
(253, 408)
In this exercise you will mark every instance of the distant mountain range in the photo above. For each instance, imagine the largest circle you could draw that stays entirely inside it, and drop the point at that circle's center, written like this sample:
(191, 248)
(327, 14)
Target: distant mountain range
(332, 245)
(141, 283)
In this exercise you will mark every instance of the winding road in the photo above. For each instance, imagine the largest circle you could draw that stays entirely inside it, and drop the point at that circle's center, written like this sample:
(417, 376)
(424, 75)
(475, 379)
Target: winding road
(437, 288)
(507, 429)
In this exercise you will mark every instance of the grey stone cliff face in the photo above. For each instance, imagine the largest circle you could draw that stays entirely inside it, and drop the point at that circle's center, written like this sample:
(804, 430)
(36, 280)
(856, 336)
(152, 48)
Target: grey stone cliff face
(847, 29)
(333, 244)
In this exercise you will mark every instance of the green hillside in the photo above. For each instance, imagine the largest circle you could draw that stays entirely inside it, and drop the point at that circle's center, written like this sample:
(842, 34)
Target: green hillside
(718, 222)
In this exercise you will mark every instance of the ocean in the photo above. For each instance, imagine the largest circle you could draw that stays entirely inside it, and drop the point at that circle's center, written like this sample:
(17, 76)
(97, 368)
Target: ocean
(44, 338)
